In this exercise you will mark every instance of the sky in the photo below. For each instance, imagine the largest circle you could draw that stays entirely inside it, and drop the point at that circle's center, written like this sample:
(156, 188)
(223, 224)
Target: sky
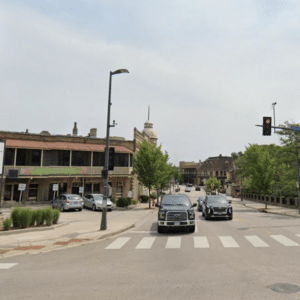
(210, 70)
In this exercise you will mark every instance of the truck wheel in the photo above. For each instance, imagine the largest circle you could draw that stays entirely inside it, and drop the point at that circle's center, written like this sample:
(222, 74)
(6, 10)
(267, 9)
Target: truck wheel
(192, 229)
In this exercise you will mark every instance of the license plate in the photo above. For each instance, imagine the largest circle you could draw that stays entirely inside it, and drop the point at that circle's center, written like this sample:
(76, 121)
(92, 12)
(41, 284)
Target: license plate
(177, 223)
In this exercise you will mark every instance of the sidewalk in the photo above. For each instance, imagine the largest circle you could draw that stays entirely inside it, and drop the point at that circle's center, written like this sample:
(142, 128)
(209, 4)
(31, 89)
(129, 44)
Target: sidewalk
(272, 209)
(71, 233)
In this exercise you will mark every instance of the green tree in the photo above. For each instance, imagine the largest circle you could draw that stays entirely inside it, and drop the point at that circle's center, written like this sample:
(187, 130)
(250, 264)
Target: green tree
(151, 167)
(259, 167)
(213, 184)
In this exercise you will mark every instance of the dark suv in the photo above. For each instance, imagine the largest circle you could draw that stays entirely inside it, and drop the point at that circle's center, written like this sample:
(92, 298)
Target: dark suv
(176, 211)
(216, 206)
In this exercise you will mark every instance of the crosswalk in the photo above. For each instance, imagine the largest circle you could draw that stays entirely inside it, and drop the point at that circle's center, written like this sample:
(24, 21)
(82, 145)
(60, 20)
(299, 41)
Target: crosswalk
(203, 242)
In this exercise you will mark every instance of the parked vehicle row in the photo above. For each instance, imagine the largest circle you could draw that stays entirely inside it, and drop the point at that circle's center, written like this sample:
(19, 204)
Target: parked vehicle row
(67, 202)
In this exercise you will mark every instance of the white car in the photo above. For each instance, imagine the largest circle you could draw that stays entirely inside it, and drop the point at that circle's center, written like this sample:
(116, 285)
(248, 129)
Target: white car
(95, 202)
(188, 189)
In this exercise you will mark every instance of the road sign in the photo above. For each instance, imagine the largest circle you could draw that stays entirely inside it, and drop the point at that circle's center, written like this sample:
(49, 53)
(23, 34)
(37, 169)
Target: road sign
(295, 128)
(129, 194)
(81, 189)
(55, 187)
(22, 187)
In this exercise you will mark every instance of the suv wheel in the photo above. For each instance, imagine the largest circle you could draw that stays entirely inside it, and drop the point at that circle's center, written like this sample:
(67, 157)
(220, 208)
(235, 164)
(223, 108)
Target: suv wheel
(192, 229)
(230, 217)
(62, 208)
(159, 229)
(94, 207)
(206, 217)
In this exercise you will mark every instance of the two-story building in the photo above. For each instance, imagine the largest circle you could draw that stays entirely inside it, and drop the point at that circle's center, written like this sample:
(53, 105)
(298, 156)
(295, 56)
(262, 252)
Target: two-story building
(71, 162)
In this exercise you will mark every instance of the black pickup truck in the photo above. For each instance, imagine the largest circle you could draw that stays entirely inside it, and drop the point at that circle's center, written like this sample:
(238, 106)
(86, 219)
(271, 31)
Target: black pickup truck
(176, 211)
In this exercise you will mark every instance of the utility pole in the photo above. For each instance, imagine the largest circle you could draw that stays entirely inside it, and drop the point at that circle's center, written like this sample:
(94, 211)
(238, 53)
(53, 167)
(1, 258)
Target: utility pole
(273, 104)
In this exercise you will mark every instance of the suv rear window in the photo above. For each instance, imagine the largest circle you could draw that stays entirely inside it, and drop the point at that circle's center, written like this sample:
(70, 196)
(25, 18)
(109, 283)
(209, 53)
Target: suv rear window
(74, 197)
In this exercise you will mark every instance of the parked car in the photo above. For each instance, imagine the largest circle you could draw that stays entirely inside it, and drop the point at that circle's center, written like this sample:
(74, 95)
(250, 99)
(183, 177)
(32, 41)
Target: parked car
(197, 188)
(200, 202)
(68, 202)
(176, 211)
(95, 202)
(188, 189)
(216, 206)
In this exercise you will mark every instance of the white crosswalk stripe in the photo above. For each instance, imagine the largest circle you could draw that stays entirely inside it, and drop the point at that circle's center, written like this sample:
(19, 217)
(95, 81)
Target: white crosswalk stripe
(201, 242)
(284, 240)
(7, 266)
(256, 241)
(228, 242)
(118, 243)
(173, 242)
(145, 243)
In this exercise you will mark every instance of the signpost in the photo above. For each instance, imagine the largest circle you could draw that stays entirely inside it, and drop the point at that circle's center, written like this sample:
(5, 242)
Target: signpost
(21, 187)
(54, 189)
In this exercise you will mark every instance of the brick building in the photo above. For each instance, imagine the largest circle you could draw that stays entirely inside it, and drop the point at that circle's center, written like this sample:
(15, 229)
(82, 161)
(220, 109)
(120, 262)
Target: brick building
(71, 161)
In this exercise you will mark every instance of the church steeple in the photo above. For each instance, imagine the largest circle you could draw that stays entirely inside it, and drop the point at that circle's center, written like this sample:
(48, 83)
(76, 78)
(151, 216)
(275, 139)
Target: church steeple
(148, 128)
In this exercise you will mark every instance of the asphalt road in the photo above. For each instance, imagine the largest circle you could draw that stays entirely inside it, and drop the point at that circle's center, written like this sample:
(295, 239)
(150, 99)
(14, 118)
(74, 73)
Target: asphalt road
(240, 259)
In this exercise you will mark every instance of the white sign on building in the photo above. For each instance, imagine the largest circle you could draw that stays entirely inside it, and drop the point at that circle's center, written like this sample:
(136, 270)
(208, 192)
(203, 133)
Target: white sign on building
(22, 187)
(55, 187)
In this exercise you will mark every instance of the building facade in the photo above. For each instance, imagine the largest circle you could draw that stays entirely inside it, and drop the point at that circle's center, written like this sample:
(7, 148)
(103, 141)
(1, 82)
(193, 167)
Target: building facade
(72, 163)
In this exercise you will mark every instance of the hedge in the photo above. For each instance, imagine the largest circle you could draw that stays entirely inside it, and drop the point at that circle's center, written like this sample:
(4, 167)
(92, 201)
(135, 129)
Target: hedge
(7, 223)
(123, 202)
(144, 198)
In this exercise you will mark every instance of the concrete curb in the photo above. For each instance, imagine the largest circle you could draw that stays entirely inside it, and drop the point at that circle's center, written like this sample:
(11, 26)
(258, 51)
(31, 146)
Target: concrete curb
(24, 230)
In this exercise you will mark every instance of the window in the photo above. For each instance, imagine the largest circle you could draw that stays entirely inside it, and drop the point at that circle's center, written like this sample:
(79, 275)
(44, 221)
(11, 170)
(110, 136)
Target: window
(56, 158)
(81, 158)
(28, 157)
(98, 159)
(121, 160)
(9, 157)
(119, 190)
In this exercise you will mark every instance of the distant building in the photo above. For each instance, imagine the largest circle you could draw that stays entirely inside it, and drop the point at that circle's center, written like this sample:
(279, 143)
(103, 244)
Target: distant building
(189, 170)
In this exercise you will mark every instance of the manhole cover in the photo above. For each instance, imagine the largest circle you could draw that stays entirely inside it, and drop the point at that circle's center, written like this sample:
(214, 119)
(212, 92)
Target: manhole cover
(284, 288)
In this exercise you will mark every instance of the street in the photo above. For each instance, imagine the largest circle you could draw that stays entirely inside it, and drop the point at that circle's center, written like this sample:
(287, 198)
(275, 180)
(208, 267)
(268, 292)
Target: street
(240, 259)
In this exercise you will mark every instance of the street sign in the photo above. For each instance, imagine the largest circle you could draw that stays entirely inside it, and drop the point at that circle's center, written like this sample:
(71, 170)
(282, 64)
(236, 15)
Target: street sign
(55, 187)
(295, 128)
(129, 194)
(22, 187)
(81, 189)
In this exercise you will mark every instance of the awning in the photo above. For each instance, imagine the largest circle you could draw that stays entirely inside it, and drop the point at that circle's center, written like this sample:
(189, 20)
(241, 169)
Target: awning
(25, 144)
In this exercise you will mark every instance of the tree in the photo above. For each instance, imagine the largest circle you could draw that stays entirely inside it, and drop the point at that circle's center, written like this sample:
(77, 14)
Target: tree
(259, 167)
(213, 184)
(151, 167)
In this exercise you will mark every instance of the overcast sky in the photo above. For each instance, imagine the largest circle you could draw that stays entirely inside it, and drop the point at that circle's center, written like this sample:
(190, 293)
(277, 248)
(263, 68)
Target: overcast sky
(210, 70)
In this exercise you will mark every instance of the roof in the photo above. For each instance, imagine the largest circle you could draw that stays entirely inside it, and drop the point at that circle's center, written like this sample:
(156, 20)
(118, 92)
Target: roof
(219, 163)
(26, 144)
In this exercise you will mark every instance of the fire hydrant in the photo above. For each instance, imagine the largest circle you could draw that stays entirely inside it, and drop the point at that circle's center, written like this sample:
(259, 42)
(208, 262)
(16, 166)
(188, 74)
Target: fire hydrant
(153, 202)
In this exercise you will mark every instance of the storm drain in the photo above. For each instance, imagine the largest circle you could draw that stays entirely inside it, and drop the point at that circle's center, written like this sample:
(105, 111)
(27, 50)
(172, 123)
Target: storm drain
(284, 288)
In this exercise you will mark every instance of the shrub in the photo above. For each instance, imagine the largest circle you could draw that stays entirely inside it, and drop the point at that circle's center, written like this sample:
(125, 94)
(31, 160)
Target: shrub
(15, 216)
(56, 213)
(153, 196)
(39, 217)
(144, 198)
(134, 201)
(112, 199)
(7, 223)
(48, 215)
(25, 217)
(33, 218)
(44, 211)
(123, 202)
(177, 190)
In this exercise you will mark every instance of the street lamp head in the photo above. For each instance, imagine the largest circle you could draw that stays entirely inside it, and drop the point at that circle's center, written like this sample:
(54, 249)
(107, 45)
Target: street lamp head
(274, 103)
(119, 71)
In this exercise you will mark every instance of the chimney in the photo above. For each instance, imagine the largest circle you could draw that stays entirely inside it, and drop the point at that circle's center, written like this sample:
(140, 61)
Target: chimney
(93, 132)
(75, 131)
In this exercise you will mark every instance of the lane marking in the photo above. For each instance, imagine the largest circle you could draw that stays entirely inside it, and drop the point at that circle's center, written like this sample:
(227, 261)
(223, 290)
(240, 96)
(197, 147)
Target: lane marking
(196, 229)
(118, 243)
(228, 242)
(145, 243)
(284, 240)
(201, 242)
(256, 241)
(7, 266)
(173, 242)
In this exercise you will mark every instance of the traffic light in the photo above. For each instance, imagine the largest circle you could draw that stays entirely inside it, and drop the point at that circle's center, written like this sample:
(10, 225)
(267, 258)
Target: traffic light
(267, 125)
(111, 159)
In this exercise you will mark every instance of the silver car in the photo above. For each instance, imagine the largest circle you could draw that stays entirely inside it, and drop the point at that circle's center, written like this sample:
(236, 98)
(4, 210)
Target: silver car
(67, 202)
(95, 202)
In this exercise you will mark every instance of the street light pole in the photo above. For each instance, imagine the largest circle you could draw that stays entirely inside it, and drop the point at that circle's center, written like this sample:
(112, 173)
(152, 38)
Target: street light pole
(104, 210)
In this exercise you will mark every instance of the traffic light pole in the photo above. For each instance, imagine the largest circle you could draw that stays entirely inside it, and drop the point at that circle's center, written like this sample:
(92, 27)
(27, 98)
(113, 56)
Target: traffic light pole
(104, 209)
